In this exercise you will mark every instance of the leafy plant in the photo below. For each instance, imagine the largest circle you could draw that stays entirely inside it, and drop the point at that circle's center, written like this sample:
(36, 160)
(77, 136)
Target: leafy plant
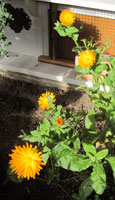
(96, 67)
(102, 95)
(104, 101)
(66, 28)
(4, 15)
(64, 146)
(61, 138)
(58, 128)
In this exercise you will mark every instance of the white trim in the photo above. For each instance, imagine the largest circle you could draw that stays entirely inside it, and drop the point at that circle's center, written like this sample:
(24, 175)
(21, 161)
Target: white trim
(96, 4)
(89, 11)
(43, 14)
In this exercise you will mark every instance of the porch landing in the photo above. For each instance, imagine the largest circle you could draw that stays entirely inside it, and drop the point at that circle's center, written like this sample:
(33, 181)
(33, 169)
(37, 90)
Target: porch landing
(28, 68)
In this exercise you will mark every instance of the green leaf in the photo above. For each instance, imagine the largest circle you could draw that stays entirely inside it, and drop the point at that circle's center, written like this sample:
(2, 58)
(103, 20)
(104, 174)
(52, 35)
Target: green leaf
(62, 33)
(73, 162)
(111, 60)
(46, 149)
(112, 118)
(35, 133)
(98, 178)
(76, 145)
(101, 154)
(78, 163)
(90, 120)
(50, 101)
(65, 158)
(72, 29)
(47, 112)
(60, 29)
(89, 148)
(59, 108)
(59, 148)
(96, 86)
(46, 156)
(81, 69)
(100, 68)
(46, 123)
(111, 161)
(31, 138)
(4, 17)
(85, 188)
(92, 132)
(99, 104)
(105, 94)
(107, 81)
(44, 127)
(75, 37)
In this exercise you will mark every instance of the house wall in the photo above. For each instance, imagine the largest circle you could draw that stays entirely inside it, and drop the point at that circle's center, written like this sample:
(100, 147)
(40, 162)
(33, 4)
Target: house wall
(34, 41)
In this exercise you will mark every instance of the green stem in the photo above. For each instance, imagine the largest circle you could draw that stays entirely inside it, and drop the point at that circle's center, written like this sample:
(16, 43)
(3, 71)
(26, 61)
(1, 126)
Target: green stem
(41, 179)
(97, 138)
(52, 164)
(63, 190)
(67, 179)
(77, 45)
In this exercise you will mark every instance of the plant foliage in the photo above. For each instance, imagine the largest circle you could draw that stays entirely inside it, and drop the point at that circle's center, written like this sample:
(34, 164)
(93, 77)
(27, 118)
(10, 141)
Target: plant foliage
(4, 15)
(67, 143)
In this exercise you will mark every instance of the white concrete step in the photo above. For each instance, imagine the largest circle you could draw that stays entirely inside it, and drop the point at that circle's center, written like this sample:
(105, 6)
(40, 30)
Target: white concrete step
(29, 65)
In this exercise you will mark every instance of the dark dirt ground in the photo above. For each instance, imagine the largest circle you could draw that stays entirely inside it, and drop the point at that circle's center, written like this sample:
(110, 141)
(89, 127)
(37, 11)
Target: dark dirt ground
(19, 111)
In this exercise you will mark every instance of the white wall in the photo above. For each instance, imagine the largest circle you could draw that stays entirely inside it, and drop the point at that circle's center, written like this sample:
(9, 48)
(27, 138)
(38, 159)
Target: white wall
(30, 42)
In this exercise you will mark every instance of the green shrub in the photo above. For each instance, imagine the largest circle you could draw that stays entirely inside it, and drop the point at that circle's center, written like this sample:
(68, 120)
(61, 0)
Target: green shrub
(4, 15)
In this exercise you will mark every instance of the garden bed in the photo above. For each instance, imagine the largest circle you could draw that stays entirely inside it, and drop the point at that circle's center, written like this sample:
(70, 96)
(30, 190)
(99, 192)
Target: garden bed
(19, 111)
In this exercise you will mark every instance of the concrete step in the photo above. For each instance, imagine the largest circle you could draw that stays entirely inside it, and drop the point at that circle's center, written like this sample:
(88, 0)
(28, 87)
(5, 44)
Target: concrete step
(34, 70)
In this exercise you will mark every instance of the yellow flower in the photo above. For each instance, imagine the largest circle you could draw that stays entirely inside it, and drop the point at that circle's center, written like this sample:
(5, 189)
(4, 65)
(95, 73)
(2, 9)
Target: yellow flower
(67, 17)
(87, 58)
(43, 100)
(25, 161)
(59, 121)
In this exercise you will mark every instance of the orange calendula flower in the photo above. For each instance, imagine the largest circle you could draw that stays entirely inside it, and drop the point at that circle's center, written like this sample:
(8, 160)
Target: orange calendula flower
(43, 100)
(67, 17)
(25, 161)
(59, 121)
(87, 58)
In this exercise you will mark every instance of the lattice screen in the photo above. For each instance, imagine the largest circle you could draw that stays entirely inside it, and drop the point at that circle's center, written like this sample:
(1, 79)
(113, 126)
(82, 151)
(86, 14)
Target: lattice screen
(98, 23)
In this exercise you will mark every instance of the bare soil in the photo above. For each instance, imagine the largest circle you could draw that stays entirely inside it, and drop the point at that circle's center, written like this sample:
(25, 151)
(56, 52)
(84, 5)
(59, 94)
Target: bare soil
(19, 111)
